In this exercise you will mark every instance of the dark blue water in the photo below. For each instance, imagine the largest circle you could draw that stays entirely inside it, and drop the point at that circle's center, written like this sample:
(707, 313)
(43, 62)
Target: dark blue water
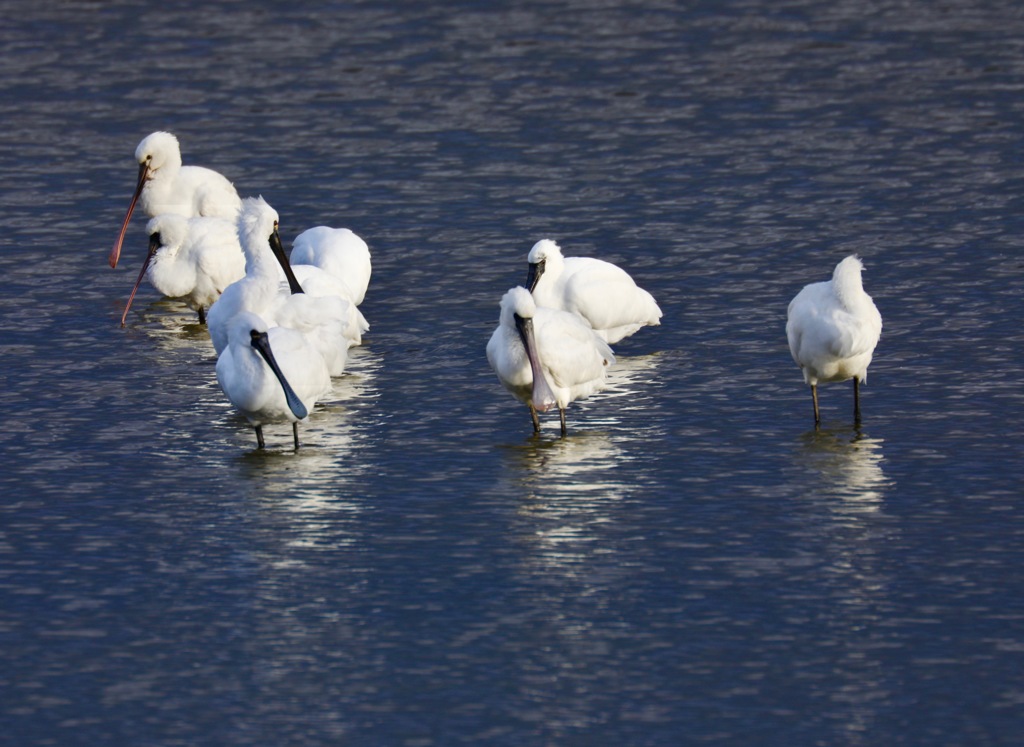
(693, 563)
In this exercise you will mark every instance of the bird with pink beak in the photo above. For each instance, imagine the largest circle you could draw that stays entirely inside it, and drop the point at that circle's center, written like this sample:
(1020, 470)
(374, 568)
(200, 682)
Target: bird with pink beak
(165, 186)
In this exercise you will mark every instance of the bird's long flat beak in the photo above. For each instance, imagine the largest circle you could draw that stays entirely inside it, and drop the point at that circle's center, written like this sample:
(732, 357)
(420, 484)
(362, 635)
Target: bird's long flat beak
(278, 249)
(261, 341)
(115, 253)
(533, 275)
(543, 398)
(154, 245)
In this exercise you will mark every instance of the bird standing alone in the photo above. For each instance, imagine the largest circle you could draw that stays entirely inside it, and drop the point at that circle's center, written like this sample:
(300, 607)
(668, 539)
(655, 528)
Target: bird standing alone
(833, 328)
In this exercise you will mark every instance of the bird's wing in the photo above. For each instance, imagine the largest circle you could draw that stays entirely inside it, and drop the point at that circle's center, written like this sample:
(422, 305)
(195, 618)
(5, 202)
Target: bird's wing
(569, 348)
(607, 296)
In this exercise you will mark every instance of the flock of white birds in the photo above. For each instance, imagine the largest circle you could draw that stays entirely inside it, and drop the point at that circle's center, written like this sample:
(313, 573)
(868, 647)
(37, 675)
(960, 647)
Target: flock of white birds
(282, 326)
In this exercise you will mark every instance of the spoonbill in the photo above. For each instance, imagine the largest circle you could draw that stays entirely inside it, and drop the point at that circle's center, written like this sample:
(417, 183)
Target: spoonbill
(338, 252)
(190, 258)
(334, 262)
(317, 283)
(165, 186)
(271, 289)
(271, 374)
(833, 328)
(546, 357)
(263, 284)
(602, 293)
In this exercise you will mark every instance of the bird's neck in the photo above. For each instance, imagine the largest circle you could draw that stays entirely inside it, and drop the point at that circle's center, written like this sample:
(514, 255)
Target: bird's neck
(848, 288)
(259, 260)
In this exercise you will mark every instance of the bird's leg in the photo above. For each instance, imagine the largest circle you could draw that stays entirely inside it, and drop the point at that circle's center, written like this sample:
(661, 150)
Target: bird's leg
(561, 416)
(856, 401)
(295, 434)
(202, 315)
(536, 420)
(814, 398)
(259, 437)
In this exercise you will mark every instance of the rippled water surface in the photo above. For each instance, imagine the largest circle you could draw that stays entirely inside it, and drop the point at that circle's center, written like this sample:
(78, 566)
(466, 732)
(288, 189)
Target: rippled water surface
(694, 563)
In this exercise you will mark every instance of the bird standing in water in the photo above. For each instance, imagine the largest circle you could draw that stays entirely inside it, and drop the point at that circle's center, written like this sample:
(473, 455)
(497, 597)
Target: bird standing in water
(271, 289)
(546, 357)
(272, 375)
(190, 258)
(165, 186)
(833, 328)
(602, 293)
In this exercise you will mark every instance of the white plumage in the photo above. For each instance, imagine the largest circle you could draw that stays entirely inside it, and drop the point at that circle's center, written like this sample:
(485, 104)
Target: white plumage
(266, 289)
(546, 357)
(165, 186)
(319, 284)
(259, 290)
(600, 292)
(272, 375)
(833, 328)
(334, 262)
(338, 252)
(194, 259)
(326, 321)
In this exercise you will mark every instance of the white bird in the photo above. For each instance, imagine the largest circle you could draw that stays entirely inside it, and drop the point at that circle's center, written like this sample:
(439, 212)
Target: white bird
(165, 186)
(324, 320)
(262, 286)
(317, 283)
(602, 293)
(833, 328)
(190, 258)
(338, 252)
(272, 375)
(271, 290)
(546, 357)
(334, 262)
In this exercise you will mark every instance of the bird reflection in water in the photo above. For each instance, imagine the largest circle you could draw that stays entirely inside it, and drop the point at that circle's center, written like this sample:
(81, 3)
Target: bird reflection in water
(581, 464)
(572, 486)
(849, 532)
(851, 463)
(308, 497)
(307, 517)
(566, 534)
(629, 386)
(173, 327)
